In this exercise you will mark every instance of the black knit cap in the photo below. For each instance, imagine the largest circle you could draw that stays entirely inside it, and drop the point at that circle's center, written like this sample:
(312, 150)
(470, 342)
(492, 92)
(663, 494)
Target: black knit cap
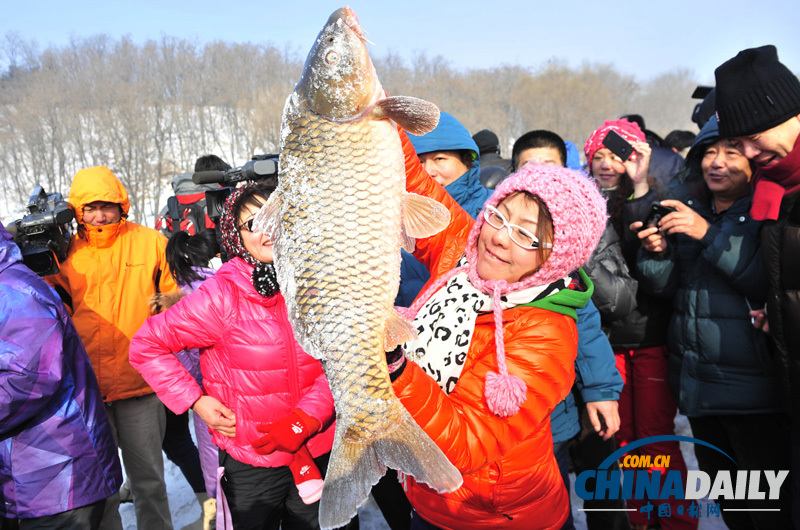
(487, 141)
(755, 92)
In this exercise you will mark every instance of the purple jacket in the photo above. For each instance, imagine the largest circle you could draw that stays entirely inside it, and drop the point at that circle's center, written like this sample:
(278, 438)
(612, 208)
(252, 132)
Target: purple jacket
(56, 448)
(249, 357)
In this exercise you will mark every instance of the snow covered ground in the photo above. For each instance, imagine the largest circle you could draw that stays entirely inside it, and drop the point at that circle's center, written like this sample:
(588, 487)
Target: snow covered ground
(185, 509)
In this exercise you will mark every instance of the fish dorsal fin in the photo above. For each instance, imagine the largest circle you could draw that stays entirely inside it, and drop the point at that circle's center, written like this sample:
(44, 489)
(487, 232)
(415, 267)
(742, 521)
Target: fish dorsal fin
(407, 242)
(266, 220)
(423, 216)
(398, 331)
(415, 115)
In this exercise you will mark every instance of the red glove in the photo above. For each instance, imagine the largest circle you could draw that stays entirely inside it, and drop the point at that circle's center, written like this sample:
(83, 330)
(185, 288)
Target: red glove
(287, 434)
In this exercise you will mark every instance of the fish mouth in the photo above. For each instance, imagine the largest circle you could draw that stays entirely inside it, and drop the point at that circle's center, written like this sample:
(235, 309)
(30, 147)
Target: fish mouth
(351, 21)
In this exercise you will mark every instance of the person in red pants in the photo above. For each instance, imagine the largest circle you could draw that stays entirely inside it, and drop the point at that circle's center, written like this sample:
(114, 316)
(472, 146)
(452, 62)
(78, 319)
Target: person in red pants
(635, 322)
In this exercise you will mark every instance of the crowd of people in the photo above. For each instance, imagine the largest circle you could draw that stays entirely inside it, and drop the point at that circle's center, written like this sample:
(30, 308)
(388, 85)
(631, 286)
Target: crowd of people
(557, 320)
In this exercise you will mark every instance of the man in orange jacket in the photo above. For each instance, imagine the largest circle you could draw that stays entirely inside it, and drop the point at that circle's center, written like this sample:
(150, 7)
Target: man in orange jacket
(113, 269)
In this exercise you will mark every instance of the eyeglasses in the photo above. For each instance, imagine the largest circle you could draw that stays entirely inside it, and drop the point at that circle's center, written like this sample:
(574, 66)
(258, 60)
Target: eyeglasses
(522, 237)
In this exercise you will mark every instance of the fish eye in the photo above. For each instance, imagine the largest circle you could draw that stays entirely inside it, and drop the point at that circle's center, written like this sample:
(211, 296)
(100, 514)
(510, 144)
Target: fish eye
(332, 57)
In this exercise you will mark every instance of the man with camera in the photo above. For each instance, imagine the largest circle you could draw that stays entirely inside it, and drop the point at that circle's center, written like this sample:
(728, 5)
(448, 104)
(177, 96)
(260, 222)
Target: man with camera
(58, 461)
(112, 270)
(758, 107)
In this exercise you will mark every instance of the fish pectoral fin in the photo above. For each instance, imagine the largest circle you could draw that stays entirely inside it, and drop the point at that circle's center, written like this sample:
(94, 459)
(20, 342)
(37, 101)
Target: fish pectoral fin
(398, 331)
(266, 220)
(415, 115)
(406, 241)
(423, 216)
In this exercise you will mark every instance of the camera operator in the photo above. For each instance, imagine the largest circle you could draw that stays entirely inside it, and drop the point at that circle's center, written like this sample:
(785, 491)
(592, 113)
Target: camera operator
(112, 270)
(58, 461)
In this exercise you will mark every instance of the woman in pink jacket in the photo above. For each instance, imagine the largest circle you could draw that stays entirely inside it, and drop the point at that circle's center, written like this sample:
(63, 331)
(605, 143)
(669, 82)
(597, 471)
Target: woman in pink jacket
(267, 403)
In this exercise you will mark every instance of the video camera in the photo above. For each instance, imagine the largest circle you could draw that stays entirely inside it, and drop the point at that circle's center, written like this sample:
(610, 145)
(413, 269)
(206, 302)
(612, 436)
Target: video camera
(43, 234)
(260, 167)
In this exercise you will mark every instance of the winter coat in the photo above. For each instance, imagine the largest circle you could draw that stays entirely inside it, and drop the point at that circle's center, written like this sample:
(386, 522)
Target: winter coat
(249, 358)
(780, 243)
(109, 277)
(511, 478)
(719, 362)
(190, 358)
(57, 451)
(632, 318)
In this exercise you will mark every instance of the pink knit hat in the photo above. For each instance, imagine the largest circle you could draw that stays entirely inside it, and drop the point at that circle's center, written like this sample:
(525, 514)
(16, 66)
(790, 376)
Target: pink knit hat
(579, 216)
(628, 130)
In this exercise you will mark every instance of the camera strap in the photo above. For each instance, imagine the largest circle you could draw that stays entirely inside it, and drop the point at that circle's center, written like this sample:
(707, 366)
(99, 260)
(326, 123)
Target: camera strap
(173, 210)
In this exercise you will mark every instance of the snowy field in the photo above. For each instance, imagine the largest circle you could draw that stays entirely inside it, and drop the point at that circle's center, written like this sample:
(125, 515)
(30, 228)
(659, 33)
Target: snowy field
(186, 511)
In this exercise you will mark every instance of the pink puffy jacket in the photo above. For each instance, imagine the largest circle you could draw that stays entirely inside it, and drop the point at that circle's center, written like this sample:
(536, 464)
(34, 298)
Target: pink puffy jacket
(249, 357)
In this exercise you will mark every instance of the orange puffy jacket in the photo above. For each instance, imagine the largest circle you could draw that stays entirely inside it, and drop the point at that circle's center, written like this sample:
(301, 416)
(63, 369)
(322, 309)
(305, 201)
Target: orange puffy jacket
(511, 479)
(110, 274)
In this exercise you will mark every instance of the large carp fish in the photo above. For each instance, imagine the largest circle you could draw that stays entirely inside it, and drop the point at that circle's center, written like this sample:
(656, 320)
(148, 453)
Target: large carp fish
(338, 219)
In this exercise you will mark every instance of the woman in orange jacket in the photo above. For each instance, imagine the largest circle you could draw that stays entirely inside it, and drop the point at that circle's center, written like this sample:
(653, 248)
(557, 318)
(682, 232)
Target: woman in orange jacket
(497, 344)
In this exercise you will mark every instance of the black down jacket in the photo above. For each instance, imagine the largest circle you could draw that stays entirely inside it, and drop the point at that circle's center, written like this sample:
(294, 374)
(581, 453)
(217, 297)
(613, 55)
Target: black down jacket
(780, 243)
(719, 363)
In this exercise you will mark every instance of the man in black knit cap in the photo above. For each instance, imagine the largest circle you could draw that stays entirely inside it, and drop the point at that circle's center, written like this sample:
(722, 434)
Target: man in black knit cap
(758, 107)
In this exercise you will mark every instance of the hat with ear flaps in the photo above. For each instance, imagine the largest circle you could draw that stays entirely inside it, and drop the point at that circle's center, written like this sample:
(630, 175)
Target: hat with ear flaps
(578, 211)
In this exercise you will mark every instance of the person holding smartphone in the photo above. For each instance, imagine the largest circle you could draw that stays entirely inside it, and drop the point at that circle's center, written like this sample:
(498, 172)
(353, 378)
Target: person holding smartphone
(636, 323)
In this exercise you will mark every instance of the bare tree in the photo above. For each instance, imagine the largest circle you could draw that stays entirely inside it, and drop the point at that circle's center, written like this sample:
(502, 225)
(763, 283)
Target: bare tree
(149, 110)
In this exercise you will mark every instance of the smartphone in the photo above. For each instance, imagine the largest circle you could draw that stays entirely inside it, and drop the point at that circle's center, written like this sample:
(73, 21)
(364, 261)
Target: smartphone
(618, 145)
(655, 214)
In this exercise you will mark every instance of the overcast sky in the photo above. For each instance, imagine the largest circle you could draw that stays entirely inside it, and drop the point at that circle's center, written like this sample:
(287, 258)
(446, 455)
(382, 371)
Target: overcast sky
(640, 38)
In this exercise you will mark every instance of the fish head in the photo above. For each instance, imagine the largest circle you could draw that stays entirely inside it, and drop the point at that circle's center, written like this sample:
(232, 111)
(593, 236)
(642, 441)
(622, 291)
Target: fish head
(339, 81)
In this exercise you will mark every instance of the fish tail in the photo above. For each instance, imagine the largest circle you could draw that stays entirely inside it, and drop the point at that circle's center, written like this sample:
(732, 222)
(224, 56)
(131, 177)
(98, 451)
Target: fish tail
(357, 466)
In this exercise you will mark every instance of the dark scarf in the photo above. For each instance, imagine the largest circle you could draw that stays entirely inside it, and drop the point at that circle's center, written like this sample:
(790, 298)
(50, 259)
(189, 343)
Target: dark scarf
(264, 278)
(772, 183)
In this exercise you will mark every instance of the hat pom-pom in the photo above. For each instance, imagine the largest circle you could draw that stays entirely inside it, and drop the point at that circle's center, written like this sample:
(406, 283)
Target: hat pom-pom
(504, 393)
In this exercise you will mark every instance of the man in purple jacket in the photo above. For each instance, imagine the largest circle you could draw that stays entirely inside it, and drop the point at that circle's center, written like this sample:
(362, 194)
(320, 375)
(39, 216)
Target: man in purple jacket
(58, 460)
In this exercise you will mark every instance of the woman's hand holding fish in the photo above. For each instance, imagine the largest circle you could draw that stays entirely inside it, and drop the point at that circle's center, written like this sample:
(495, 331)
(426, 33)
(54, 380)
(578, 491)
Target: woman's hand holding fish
(288, 434)
(216, 415)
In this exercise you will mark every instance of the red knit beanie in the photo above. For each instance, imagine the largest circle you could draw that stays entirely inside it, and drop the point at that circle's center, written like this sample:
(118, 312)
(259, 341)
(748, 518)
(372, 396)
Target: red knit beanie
(628, 130)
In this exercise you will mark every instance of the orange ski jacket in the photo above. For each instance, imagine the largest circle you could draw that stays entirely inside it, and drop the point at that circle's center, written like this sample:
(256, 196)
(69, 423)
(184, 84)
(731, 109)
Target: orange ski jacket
(110, 274)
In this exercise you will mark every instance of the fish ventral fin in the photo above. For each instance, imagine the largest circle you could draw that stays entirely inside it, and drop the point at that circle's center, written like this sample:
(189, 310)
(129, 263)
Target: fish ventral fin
(355, 466)
(415, 115)
(398, 331)
(407, 242)
(266, 219)
(423, 216)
